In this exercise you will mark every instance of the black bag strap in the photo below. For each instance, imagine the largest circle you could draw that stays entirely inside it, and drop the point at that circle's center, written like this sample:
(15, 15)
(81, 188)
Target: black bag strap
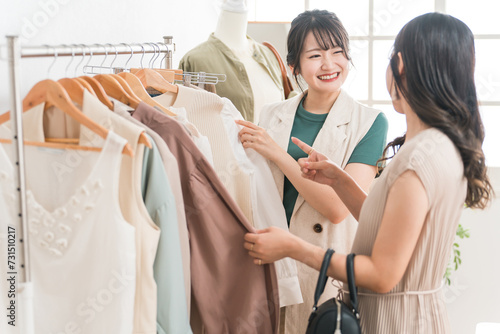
(320, 286)
(353, 291)
(322, 279)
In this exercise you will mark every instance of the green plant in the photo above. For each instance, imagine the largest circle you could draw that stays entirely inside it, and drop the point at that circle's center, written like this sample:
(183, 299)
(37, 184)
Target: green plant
(457, 260)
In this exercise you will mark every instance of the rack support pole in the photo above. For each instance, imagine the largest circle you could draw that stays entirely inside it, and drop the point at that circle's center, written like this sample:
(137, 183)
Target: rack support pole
(14, 55)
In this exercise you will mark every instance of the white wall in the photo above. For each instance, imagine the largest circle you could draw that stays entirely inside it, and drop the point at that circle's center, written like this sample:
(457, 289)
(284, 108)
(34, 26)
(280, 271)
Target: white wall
(475, 291)
(56, 22)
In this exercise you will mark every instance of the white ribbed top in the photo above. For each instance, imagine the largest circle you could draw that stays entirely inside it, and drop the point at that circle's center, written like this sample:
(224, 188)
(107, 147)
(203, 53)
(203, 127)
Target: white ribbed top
(203, 110)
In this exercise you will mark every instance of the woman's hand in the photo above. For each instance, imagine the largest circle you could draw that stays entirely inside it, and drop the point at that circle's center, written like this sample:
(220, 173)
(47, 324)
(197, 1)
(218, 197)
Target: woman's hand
(255, 137)
(270, 244)
(317, 167)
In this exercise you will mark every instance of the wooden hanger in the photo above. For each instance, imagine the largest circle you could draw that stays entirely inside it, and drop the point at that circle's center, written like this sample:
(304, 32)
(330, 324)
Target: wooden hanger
(73, 88)
(138, 88)
(75, 91)
(168, 75)
(178, 74)
(164, 72)
(53, 93)
(152, 79)
(113, 88)
(99, 91)
(85, 85)
(126, 86)
(143, 139)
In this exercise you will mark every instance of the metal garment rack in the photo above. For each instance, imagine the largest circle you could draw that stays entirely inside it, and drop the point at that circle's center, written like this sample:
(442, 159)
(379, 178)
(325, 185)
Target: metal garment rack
(22, 268)
(15, 53)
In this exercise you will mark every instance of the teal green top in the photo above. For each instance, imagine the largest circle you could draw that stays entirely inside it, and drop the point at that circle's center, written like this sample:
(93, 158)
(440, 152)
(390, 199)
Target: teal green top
(371, 147)
(172, 312)
(306, 127)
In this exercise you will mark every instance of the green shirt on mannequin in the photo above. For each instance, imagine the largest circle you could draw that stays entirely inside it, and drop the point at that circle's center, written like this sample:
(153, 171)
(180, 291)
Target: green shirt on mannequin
(213, 56)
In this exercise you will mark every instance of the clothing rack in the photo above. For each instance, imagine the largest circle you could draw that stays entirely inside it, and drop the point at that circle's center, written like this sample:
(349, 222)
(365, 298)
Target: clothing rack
(22, 269)
(107, 50)
(114, 50)
(15, 53)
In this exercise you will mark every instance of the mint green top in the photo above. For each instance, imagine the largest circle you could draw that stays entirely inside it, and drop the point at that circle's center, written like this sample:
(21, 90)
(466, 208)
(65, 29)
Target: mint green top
(306, 127)
(172, 312)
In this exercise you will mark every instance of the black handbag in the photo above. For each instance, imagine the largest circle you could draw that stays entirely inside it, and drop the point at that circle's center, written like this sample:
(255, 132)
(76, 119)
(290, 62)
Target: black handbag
(334, 316)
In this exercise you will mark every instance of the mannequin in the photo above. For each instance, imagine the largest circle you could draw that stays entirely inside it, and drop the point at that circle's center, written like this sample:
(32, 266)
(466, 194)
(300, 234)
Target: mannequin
(258, 80)
(232, 30)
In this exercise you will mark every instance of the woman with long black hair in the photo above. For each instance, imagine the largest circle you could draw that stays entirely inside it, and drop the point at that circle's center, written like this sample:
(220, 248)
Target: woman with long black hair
(408, 221)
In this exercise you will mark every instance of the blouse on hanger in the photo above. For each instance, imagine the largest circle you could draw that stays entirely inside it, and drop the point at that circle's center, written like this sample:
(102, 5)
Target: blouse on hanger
(74, 220)
(131, 203)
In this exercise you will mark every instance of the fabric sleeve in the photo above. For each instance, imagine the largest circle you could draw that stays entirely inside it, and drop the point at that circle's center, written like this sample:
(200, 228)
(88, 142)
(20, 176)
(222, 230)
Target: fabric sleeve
(370, 148)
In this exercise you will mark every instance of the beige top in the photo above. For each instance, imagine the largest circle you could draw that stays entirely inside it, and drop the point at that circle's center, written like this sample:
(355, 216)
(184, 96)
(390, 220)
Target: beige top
(346, 124)
(416, 304)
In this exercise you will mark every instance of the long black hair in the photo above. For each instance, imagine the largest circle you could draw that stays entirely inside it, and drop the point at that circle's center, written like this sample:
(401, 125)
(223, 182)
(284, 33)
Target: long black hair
(327, 29)
(438, 83)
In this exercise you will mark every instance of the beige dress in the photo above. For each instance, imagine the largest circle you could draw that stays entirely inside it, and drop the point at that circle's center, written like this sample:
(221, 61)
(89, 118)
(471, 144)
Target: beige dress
(416, 303)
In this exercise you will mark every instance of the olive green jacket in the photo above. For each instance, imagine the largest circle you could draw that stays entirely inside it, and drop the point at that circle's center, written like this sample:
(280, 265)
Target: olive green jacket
(213, 56)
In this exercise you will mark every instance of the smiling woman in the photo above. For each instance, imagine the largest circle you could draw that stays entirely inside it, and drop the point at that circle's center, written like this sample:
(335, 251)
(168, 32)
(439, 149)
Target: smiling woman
(330, 121)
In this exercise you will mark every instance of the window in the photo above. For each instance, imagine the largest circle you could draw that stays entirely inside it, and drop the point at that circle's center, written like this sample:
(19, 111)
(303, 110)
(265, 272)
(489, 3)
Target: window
(373, 28)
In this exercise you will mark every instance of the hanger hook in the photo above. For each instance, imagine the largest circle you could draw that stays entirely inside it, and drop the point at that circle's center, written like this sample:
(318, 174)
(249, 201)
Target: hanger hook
(165, 55)
(116, 54)
(154, 53)
(158, 55)
(90, 58)
(131, 54)
(72, 57)
(55, 58)
(83, 57)
(105, 55)
(143, 53)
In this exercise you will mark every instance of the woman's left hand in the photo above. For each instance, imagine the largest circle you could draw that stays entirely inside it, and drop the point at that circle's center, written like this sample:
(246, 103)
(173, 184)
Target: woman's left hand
(269, 245)
(257, 138)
